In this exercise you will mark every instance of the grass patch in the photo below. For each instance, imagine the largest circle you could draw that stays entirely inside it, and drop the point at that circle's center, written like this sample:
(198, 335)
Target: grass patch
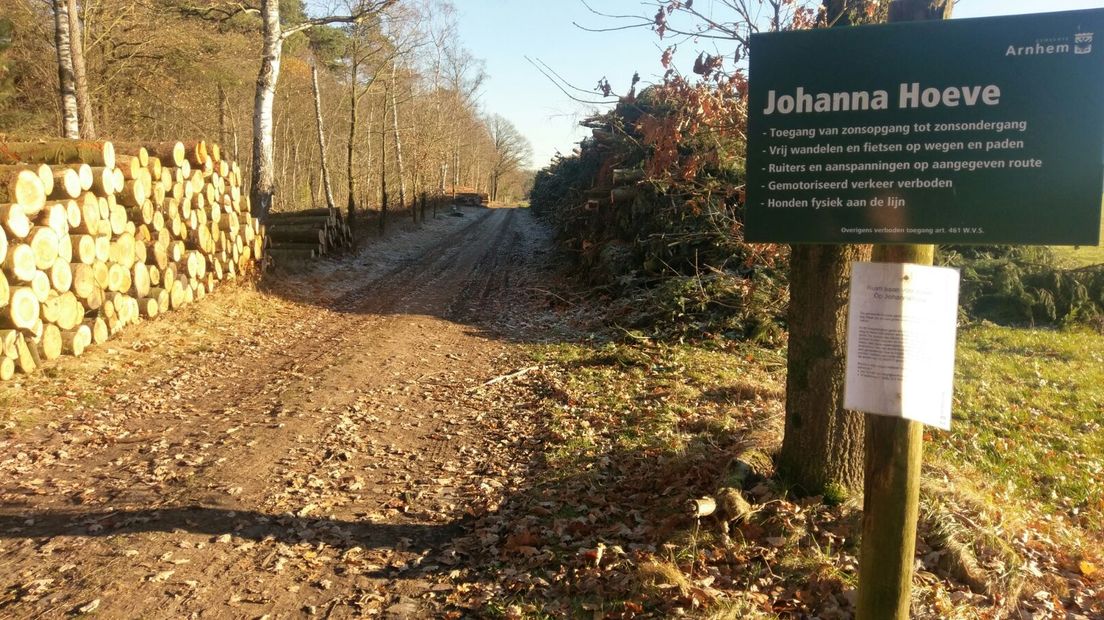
(1029, 409)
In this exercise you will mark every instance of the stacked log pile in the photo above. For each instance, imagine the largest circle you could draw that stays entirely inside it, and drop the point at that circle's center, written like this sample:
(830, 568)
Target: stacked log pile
(303, 235)
(92, 241)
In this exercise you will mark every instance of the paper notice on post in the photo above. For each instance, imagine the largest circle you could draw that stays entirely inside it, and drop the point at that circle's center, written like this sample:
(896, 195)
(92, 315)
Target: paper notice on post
(901, 328)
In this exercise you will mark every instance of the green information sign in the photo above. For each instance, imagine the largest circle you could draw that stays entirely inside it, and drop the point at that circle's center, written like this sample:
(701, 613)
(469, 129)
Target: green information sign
(963, 131)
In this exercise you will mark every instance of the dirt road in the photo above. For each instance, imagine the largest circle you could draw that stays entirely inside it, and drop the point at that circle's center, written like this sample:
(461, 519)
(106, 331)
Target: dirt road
(310, 449)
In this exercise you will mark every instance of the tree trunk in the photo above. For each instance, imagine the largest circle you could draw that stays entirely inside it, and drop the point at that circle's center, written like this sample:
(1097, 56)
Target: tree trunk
(368, 154)
(70, 115)
(383, 169)
(822, 446)
(80, 75)
(223, 114)
(264, 167)
(415, 171)
(322, 139)
(353, 100)
(398, 140)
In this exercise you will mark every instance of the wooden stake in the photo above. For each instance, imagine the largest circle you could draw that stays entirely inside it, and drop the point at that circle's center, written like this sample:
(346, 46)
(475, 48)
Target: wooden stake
(891, 499)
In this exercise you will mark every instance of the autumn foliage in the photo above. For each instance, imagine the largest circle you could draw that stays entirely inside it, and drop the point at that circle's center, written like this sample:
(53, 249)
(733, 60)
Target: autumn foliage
(652, 202)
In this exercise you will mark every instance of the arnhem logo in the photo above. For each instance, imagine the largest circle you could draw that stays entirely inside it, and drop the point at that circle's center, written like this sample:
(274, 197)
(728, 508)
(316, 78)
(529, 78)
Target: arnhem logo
(1082, 44)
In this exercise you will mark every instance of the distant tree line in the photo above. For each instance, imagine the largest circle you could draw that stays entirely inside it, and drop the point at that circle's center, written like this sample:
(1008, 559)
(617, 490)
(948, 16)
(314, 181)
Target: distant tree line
(398, 92)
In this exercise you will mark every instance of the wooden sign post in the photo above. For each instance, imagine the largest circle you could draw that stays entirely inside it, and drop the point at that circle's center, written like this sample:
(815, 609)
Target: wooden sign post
(891, 492)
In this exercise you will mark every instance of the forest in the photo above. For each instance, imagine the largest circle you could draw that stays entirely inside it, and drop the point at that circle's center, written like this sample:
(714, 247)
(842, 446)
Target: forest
(157, 71)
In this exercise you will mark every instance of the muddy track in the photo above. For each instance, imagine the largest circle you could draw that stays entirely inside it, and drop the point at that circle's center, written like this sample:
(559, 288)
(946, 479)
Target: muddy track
(345, 427)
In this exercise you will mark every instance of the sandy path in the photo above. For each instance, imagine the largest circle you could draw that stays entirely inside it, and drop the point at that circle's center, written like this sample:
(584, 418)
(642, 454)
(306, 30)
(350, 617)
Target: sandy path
(308, 450)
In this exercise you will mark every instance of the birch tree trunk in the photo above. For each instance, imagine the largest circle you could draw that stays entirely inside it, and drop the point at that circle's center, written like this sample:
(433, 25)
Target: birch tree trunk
(398, 139)
(322, 140)
(80, 75)
(263, 177)
(70, 116)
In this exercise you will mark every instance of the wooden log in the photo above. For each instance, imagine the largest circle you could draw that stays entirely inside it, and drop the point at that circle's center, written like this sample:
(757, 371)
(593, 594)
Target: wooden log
(142, 213)
(44, 172)
(140, 251)
(5, 290)
(7, 342)
(73, 214)
(163, 298)
(84, 173)
(117, 220)
(25, 358)
(83, 248)
(196, 152)
(103, 181)
(148, 307)
(160, 255)
(40, 284)
(22, 310)
(140, 280)
(20, 262)
(3, 244)
(25, 188)
(168, 275)
(94, 301)
(158, 192)
(133, 193)
(298, 234)
(164, 151)
(50, 309)
(49, 345)
(90, 213)
(130, 165)
(83, 280)
(56, 217)
(66, 184)
(103, 247)
(72, 311)
(177, 297)
(61, 276)
(7, 368)
(99, 330)
(43, 241)
(102, 273)
(94, 153)
(75, 341)
(14, 218)
(118, 278)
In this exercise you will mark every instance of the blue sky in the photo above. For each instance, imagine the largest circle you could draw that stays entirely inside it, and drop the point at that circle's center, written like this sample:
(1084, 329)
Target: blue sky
(504, 32)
